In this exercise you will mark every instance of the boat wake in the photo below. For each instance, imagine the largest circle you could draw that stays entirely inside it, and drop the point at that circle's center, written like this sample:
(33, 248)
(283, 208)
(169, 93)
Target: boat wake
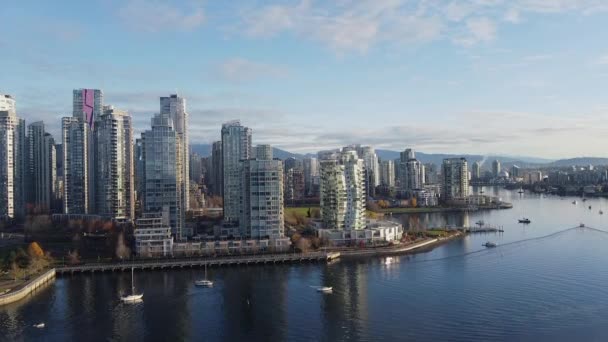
(580, 227)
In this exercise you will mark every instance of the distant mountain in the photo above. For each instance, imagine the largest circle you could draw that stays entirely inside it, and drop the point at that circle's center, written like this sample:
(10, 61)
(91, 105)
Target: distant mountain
(205, 150)
(437, 158)
(580, 161)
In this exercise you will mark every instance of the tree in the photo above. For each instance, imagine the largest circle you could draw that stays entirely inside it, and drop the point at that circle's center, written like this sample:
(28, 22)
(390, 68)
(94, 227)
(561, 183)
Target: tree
(35, 251)
(73, 257)
(122, 251)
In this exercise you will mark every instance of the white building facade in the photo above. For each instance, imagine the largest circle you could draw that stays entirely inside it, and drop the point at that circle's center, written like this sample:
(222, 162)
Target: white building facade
(115, 174)
(342, 189)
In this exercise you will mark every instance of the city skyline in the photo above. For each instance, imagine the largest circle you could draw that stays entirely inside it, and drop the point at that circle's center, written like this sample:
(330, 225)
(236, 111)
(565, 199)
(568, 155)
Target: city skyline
(483, 77)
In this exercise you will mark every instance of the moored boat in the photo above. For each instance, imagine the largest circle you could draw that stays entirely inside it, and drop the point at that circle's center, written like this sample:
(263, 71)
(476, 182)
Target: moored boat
(489, 244)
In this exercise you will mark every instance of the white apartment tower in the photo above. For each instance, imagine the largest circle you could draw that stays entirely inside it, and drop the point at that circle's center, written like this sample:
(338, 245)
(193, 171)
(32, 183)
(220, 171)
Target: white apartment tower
(115, 174)
(343, 198)
(12, 159)
(262, 197)
(387, 173)
(455, 176)
(236, 147)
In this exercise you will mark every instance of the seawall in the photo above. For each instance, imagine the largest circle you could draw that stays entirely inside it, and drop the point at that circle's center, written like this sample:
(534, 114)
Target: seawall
(27, 288)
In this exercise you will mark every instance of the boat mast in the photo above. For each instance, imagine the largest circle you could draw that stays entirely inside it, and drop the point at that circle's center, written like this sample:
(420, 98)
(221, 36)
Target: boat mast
(132, 283)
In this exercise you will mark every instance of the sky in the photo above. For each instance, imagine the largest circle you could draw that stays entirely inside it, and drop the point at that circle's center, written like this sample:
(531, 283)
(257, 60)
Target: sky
(510, 77)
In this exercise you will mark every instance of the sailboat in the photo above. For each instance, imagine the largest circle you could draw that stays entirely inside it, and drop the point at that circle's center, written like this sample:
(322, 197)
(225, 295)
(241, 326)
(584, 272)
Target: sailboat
(133, 297)
(204, 282)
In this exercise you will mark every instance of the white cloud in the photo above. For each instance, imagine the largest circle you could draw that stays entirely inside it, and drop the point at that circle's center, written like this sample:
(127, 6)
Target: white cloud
(348, 25)
(240, 69)
(603, 60)
(478, 30)
(155, 15)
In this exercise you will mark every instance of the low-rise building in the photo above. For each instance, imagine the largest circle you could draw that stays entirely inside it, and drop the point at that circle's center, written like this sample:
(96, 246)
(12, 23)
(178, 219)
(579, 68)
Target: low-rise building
(153, 236)
(376, 233)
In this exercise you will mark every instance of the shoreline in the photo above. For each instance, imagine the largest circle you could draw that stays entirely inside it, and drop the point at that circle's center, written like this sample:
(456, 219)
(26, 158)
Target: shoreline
(413, 248)
(28, 288)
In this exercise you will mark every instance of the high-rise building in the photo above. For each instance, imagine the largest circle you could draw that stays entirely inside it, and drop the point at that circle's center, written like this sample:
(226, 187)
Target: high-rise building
(387, 173)
(515, 172)
(79, 152)
(476, 171)
(310, 167)
(139, 166)
(262, 198)
(75, 165)
(13, 160)
(196, 167)
(217, 169)
(430, 174)
(294, 184)
(88, 107)
(411, 172)
(372, 168)
(454, 173)
(115, 160)
(496, 168)
(175, 107)
(42, 167)
(263, 152)
(162, 188)
(236, 147)
(343, 199)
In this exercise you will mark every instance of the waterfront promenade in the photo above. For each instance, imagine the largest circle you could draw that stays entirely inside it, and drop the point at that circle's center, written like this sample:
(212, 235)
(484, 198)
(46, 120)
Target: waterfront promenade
(160, 264)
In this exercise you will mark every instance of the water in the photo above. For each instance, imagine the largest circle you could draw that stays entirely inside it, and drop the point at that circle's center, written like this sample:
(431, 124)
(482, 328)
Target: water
(529, 288)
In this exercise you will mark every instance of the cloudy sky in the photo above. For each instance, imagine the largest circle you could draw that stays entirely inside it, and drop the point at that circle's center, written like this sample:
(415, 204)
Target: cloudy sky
(517, 77)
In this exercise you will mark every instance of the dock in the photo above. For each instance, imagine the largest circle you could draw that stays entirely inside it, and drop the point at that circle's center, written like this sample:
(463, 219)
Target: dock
(169, 263)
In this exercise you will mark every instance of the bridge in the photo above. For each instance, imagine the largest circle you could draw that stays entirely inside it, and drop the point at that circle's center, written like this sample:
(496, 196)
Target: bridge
(199, 262)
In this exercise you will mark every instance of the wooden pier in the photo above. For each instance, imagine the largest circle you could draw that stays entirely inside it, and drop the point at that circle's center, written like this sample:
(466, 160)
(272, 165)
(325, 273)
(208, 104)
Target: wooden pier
(200, 262)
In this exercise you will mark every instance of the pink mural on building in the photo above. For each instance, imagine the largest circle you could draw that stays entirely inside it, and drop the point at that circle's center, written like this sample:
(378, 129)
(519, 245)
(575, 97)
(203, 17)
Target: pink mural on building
(88, 104)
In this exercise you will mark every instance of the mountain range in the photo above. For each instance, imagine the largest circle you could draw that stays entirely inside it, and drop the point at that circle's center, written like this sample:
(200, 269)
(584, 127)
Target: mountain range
(437, 158)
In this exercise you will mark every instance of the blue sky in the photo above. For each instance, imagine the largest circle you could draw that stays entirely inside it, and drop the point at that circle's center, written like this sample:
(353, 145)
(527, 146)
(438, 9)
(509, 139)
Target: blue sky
(517, 77)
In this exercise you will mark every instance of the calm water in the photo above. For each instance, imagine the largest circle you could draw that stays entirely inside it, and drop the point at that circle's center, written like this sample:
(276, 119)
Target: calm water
(530, 288)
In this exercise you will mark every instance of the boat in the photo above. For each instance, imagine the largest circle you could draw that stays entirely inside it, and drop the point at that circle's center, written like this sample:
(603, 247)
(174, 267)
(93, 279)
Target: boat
(325, 289)
(582, 225)
(601, 212)
(204, 282)
(521, 191)
(589, 207)
(489, 244)
(584, 200)
(39, 325)
(524, 220)
(133, 297)
(573, 202)
(480, 223)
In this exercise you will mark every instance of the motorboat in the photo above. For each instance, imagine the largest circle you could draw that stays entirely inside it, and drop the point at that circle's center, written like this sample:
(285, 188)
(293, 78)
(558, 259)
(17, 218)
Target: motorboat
(133, 297)
(39, 325)
(480, 223)
(589, 207)
(524, 220)
(204, 282)
(582, 225)
(601, 212)
(325, 289)
(489, 244)
(573, 202)
(521, 191)
(584, 200)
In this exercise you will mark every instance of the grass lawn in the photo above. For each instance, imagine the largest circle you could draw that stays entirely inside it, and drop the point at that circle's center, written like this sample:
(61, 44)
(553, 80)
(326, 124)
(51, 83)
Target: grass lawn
(298, 210)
